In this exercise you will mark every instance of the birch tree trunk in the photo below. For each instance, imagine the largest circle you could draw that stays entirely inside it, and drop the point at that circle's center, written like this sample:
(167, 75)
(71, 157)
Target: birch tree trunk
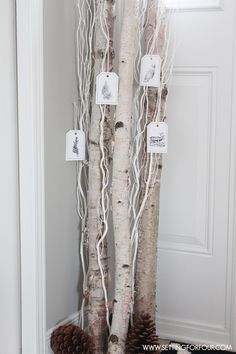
(146, 268)
(97, 327)
(120, 182)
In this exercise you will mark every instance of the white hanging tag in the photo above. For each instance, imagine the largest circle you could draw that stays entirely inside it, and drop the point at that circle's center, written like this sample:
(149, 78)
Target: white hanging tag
(107, 88)
(157, 137)
(150, 70)
(75, 145)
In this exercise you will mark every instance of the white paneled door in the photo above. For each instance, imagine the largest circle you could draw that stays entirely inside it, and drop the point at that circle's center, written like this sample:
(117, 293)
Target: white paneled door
(197, 248)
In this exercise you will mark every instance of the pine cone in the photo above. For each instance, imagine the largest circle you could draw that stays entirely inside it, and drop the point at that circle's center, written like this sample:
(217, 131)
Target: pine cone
(143, 332)
(71, 339)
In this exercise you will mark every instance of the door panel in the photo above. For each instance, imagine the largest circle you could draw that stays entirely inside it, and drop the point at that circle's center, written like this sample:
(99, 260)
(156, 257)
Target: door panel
(195, 283)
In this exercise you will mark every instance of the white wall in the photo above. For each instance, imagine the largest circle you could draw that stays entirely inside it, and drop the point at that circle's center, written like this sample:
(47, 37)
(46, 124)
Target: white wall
(9, 222)
(62, 266)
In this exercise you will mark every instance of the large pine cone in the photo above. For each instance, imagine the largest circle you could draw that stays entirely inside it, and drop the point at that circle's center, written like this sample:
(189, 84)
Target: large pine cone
(71, 339)
(141, 334)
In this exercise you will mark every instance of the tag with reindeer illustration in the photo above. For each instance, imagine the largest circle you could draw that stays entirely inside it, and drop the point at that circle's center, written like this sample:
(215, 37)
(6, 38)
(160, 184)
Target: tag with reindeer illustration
(157, 137)
(107, 88)
(150, 70)
(75, 145)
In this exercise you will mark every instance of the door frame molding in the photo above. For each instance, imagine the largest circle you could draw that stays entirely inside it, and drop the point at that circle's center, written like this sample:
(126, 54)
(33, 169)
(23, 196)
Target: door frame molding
(232, 198)
(29, 37)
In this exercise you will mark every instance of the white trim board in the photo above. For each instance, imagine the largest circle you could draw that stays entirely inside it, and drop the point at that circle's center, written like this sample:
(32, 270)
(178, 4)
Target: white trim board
(232, 202)
(202, 5)
(29, 18)
(191, 332)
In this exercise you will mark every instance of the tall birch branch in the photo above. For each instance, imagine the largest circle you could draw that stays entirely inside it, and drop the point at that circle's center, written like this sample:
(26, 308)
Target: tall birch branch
(97, 328)
(146, 268)
(120, 182)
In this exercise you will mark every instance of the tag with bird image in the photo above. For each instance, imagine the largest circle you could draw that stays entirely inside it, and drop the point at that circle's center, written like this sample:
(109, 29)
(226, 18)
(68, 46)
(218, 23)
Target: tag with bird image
(75, 145)
(157, 137)
(150, 70)
(107, 88)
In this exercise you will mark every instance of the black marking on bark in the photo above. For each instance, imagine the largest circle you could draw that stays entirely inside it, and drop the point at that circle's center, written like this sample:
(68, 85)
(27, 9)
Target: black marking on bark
(113, 54)
(122, 61)
(115, 300)
(126, 171)
(101, 53)
(125, 266)
(160, 167)
(113, 338)
(119, 125)
(164, 92)
(119, 201)
(92, 142)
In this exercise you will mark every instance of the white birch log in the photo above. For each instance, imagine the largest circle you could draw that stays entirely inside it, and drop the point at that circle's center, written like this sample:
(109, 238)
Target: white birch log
(146, 267)
(97, 327)
(120, 182)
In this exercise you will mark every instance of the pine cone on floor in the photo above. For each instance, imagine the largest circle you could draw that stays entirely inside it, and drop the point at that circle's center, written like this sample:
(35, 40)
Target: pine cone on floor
(71, 339)
(143, 332)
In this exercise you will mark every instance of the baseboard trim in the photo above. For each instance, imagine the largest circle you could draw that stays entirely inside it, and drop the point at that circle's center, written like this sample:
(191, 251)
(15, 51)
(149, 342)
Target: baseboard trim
(174, 330)
(72, 319)
(192, 333)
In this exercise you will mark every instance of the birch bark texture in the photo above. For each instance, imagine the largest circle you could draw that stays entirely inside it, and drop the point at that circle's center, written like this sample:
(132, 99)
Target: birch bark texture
(146, 263)
(97, 327)
(120, 182)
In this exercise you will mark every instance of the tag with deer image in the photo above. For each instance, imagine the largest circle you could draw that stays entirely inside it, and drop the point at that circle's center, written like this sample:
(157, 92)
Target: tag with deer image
(107, 88)
(157, 137)
(75, 145)
(150, 70)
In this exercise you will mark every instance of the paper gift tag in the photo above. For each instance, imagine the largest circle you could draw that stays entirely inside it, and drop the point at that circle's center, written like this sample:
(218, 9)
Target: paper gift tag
(75, 145)
(107, 88)
(157, 137)
(150, 70)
